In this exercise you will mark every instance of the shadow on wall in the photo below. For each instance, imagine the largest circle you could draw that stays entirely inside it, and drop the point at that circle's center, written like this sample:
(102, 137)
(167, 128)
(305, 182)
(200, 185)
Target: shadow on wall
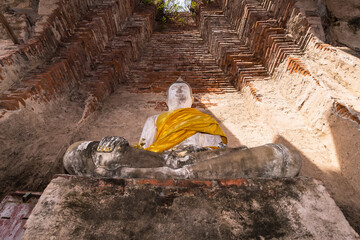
(336, 184)
(346, 137)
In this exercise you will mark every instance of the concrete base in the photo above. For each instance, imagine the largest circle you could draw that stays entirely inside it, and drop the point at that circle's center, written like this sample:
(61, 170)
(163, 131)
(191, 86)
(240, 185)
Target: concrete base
(74, 207)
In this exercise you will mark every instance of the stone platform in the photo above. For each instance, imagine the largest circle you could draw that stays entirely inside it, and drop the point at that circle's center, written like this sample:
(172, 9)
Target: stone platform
(74, 207)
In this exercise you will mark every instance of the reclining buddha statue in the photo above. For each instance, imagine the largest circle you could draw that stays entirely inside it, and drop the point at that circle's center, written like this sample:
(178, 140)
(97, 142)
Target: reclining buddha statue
(180, 143)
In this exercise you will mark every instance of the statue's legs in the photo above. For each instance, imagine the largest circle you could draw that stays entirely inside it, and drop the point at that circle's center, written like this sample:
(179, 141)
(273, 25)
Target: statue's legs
(271, 160)
(268, 161)
(113, 157)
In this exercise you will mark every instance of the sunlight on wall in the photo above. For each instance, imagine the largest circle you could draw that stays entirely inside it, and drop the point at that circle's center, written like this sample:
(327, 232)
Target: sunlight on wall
(247, 125)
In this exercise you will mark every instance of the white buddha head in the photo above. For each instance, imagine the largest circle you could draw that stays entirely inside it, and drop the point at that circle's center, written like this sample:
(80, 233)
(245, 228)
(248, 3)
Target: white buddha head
(179, 95)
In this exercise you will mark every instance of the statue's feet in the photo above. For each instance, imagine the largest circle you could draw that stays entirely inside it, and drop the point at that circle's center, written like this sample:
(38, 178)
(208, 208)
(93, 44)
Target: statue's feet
(285, 163)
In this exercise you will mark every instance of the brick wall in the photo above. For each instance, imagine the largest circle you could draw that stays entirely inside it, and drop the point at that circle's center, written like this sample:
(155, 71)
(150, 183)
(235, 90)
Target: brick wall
(98, 46)
(53, 25)
(251, 38)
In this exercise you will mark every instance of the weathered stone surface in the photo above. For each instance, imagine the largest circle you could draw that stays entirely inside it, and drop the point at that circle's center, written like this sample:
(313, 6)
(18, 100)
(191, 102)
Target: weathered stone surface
(345, 22)
(21, 16)
(85, 208)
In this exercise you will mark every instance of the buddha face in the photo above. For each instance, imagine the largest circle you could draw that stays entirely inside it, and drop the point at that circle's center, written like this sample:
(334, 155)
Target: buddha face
(179, 96)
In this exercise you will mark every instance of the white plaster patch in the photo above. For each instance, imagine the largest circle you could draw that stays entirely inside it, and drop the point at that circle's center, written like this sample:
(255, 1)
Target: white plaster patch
(83, 145)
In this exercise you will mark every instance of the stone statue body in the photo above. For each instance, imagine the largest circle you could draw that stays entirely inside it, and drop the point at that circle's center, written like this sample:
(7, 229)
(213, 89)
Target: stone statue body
(179, 95)
(176, 131)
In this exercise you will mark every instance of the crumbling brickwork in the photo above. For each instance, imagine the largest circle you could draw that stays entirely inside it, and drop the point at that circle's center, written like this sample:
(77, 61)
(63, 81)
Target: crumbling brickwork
(84, 54)
(262, 65)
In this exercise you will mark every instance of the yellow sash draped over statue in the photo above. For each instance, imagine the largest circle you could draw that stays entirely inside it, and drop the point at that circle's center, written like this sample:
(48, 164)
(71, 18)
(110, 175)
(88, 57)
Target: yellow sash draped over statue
(174, 127)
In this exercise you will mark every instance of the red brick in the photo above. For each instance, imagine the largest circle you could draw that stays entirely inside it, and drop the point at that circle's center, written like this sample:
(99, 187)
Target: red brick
(156, 182)
(233, 182)
(9, 104)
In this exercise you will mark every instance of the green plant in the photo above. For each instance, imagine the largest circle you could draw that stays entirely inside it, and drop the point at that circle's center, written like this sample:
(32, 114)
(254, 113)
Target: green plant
(168, 10)
(193, 8)
(193, 5)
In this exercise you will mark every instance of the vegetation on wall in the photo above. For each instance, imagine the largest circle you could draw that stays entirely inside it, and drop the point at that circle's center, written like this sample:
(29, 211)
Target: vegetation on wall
(169, 11)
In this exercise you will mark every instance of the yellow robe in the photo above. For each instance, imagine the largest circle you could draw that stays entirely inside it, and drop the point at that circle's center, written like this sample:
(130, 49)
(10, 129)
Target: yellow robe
(174, 127)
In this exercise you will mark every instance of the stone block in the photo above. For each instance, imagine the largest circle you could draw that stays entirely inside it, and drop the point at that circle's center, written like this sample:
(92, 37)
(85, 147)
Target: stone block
(74, 207)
